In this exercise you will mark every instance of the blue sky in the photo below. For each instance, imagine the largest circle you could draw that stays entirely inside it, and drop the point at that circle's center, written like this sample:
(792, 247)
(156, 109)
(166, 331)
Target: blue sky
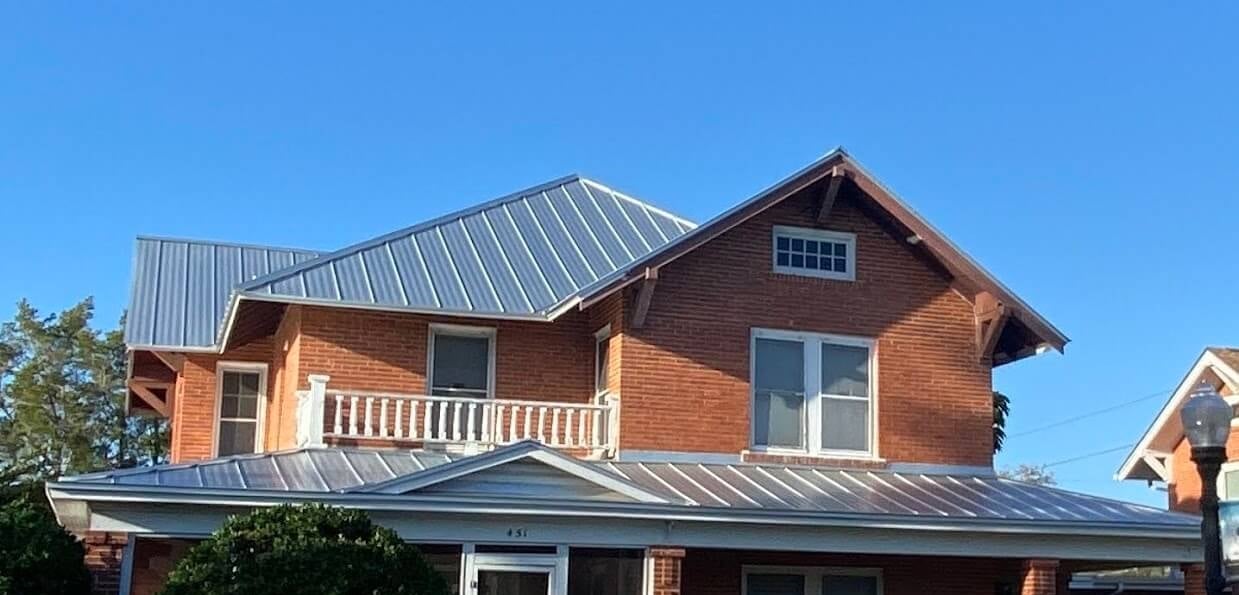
(1084, 152)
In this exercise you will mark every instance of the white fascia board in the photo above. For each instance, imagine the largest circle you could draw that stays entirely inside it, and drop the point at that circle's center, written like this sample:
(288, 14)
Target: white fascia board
(425, 526)
(1206, 361)
(520, 451)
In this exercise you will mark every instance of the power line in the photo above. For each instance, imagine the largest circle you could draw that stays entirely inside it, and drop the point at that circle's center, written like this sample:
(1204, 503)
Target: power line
(1089, 455)
(1075, 418)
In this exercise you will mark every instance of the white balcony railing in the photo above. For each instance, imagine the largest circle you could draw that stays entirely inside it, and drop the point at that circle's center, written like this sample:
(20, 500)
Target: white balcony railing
(466, 422)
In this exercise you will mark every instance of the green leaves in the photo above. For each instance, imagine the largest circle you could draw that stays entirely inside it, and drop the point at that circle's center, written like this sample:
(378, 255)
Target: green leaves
(62, 395)
(1002, 409)
(37, 556)
(310, 550)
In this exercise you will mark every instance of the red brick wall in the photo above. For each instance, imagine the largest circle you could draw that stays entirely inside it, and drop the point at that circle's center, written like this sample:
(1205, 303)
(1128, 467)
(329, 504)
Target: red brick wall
(718, 572)
(104, 552)
(685, 378)
(193, 408)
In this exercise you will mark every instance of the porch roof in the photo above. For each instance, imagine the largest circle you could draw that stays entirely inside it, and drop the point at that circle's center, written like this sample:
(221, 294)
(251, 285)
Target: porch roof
(674, 488)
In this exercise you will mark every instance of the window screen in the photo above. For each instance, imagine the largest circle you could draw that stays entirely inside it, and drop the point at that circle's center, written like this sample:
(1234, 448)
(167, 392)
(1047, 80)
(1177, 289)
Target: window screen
(849, 585)
(779, 396)
(775, 584)
(845, 397)
(238, 412)
(461, 366)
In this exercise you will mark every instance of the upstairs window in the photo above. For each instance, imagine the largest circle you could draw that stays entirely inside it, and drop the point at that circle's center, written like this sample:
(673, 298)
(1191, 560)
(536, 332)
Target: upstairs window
(814, 253)
(602, 363)
(812, 394)
(242, 395)
(462, 361)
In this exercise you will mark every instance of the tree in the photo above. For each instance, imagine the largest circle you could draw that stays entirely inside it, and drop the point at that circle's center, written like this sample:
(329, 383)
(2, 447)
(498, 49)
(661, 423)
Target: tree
(37, 556)
(309, 549)
(62, 394)
(1034, 474)
(1002, 408)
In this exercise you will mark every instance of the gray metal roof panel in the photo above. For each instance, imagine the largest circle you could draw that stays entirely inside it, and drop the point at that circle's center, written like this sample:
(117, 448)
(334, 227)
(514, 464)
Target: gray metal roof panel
(180, 287)
(769, 488)
(523, 254)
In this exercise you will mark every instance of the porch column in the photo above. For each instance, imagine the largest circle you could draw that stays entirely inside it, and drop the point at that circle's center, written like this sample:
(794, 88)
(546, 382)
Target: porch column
(1193, 579)
(105, 554)
(667, 566)
(1040, 577)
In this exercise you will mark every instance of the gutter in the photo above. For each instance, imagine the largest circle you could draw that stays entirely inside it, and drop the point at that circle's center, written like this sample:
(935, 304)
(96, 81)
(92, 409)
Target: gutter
(613, 510)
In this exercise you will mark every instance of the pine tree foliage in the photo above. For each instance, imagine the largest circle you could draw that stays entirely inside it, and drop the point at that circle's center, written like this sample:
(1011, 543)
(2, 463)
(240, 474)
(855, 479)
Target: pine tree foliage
(62, 395)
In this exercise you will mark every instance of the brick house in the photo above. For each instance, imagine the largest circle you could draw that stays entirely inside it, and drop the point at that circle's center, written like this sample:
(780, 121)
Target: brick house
(568, 391)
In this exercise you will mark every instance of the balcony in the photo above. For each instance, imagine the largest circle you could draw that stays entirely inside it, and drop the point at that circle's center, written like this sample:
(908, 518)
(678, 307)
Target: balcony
(460, 424)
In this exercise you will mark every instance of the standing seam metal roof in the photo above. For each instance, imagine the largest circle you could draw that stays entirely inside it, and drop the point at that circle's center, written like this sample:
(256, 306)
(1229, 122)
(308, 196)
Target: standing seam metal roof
(181, 287)
(524, 254)
(762, 487)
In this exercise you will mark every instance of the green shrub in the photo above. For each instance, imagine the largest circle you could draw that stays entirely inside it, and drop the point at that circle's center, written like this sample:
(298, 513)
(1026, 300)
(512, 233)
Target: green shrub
(37, 556)
(309, 550)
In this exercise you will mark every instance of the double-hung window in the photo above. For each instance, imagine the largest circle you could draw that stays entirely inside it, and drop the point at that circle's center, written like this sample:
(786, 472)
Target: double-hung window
(462, 365)
(784, 580)
(242, 389)
(812, 393)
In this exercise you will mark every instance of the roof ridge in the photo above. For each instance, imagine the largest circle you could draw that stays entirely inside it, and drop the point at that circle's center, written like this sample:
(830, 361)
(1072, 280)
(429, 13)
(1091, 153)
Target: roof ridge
(402, 232)
(644, 204)
(226, 244)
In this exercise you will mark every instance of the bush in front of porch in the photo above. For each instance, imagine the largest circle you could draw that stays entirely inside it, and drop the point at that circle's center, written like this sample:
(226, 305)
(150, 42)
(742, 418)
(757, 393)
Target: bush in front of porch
(309, 549)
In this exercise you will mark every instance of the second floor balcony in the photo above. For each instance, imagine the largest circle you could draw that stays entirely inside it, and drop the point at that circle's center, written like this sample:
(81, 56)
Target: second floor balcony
(468, 424)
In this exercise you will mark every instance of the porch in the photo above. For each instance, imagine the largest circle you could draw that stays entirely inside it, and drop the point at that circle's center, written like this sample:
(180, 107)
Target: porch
(454, 423)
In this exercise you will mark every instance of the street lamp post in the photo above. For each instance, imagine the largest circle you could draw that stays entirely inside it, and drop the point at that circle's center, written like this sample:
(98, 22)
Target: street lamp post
(1206, 422)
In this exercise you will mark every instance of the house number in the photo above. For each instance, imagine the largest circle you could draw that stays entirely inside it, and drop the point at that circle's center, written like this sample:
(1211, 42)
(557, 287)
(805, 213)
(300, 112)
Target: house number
(518, 532)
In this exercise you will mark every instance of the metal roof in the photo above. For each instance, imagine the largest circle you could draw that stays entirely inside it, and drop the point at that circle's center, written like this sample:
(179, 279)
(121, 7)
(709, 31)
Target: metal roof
(521, 255)
(181, 287)
(736, 487)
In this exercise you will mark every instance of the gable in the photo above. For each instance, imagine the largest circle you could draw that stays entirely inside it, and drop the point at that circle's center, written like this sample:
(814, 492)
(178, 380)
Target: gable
(525, 479)
(1008, 328)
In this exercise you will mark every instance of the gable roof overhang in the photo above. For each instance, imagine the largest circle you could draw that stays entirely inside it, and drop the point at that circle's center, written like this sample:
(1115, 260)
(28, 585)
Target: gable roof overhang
(1148, 460)
(969, 278)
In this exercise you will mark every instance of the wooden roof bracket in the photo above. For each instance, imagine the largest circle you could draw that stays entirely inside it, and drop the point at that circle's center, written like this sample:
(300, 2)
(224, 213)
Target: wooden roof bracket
(991, 316)
(143, 391)
(644, 296)
(829, 194)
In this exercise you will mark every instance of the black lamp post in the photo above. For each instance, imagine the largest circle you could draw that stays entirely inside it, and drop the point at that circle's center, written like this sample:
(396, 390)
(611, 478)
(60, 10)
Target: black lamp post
(1206, 422)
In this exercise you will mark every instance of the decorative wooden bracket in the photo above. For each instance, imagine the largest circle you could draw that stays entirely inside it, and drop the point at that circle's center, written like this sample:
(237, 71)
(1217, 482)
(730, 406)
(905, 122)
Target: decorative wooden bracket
(1158, 461)
(829, 194)
(174, 361)
(991, 316)
(143, 391)
(644, 295)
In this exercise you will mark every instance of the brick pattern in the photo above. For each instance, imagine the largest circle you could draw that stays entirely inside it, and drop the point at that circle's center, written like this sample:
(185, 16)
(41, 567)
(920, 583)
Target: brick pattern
(104, 552)
(686, 373)
(719, 572)
(683, 379)
(153, 559)
(1040, 577)
(668, 565)
(1193, 579)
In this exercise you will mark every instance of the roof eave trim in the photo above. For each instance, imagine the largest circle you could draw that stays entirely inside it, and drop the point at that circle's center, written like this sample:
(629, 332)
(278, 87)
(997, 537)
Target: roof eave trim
(116, 493)
(1206, 360)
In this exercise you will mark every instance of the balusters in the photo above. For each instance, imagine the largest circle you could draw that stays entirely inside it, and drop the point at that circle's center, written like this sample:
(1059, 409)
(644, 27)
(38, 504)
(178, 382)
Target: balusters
(352, 416)
(369, 410)
(383, 418)
(338, 427)
(555, 426)
(398, 426)
(469, 425)
(580, 428)
(412, 420)
(568, 426)
(528, 417)
(542, 425)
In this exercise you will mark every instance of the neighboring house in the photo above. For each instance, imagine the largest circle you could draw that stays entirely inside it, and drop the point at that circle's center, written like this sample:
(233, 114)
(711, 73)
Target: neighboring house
(570, 391)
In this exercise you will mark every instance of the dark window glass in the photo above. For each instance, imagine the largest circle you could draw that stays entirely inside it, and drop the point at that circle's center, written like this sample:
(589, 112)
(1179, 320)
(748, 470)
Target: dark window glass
(782, 243)
(849, 585)
(783, 259)
(775, 584)
(778, 390)
(461, 363)
(810, 246)
(605, 571)
(236, 437)
(810, 262)
(797, 245)
(841, 250)
(798, 260)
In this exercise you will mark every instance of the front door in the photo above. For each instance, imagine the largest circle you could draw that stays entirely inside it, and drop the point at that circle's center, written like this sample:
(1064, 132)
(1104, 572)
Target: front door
(518, 574)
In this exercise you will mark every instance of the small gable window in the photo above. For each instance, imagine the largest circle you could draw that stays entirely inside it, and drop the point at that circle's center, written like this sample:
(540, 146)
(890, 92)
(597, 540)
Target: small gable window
(814, 253)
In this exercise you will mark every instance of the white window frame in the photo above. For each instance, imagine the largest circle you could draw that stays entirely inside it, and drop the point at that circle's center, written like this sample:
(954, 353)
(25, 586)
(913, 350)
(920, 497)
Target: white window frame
(260, 419)
(812, 575)
(602, 337)
(461, 330)
(811, 423)
(1227, 467)
(805, 233)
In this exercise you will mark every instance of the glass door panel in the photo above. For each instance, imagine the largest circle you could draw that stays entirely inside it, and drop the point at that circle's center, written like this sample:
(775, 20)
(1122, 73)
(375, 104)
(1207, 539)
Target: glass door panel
(514, 582)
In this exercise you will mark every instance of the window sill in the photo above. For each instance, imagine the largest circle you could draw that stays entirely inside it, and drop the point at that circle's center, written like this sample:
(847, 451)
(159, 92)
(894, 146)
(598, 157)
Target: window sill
(754, 455)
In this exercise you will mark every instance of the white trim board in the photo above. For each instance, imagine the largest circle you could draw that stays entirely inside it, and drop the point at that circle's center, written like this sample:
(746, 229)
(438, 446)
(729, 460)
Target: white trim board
(1164, 433)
